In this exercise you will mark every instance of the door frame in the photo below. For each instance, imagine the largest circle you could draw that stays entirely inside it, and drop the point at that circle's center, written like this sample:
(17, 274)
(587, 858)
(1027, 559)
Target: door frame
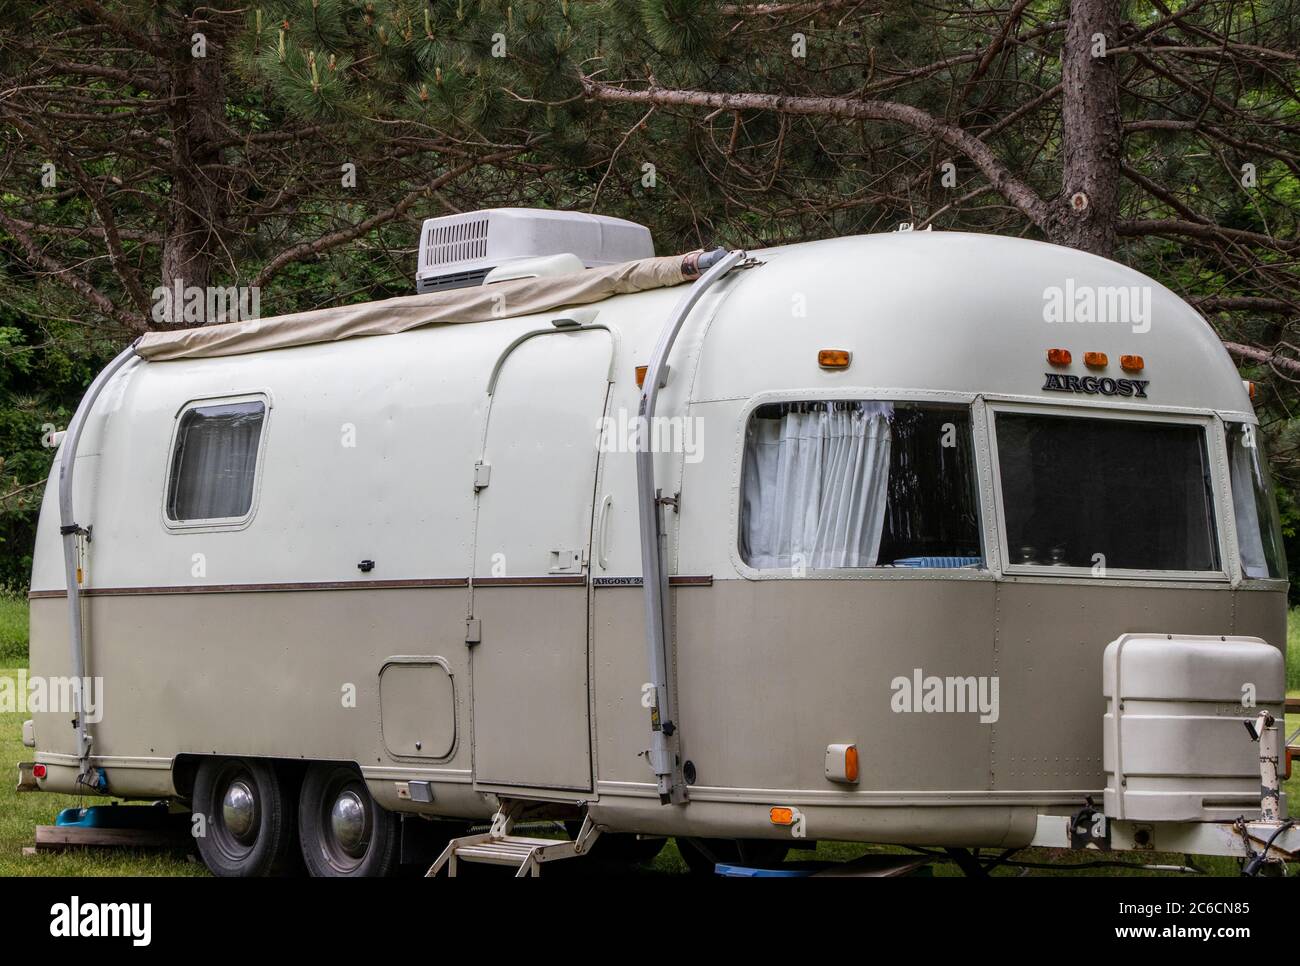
(553, 791)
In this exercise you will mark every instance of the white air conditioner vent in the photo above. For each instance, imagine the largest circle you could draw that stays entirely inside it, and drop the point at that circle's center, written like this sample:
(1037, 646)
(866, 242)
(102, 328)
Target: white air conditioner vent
(455, 242)
(460, 250)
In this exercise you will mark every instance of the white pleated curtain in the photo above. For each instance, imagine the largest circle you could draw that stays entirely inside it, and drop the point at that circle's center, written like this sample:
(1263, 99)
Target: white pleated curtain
(1243, 469)
(216, 462)
(815, 486)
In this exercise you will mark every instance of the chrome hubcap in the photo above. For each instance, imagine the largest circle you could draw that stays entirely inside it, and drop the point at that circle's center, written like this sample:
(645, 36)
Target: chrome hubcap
(348, 823)
(239, 811)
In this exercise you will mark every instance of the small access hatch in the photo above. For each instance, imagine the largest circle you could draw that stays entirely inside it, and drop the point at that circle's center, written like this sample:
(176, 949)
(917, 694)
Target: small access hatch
(417, 708)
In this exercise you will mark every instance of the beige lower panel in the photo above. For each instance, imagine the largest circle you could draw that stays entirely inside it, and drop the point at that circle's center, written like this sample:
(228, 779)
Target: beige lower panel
(531, 722)
(257, 674)
(769, 673)
(1050, 639)
(794, 666)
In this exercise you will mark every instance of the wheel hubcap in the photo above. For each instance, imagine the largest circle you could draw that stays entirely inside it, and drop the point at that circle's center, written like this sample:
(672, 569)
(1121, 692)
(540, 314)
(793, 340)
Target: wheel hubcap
(239, 811)
(348, 823)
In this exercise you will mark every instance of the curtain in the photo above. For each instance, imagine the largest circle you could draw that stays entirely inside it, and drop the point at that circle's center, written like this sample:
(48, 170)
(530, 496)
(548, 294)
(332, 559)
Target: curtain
(216, 457)
(815, 486)
(1241, 470)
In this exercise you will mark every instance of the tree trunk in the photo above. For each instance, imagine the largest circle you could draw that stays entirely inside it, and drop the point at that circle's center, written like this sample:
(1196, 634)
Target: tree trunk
(1087, 211)
(195, 205)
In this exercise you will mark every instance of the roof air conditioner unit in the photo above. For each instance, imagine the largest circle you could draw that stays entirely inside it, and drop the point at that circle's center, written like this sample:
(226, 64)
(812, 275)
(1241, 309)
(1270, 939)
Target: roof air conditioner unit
(460, 250)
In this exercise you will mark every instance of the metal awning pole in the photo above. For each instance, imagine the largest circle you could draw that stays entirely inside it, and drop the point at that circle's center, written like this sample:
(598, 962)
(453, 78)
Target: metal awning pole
(71, 530)
(654, 576)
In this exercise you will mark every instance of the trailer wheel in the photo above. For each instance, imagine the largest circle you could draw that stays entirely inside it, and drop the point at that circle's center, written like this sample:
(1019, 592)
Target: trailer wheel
(702, 855)
(248, 827)
(343, 832)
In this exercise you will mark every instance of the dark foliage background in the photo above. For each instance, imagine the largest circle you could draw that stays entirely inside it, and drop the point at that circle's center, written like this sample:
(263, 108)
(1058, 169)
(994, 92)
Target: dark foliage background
(764, 122)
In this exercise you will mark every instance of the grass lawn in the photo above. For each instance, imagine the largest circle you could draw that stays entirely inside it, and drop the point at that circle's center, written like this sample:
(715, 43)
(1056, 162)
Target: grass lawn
(13, 631)
(19, 814)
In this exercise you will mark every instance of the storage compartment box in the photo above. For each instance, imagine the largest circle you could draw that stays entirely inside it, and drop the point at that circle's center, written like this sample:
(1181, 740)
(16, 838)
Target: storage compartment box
(1176, 747)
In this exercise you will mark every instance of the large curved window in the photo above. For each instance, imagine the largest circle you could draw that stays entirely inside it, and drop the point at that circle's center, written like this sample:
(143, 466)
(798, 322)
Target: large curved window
(1106, 494)
(850, 484)
(1259, 530)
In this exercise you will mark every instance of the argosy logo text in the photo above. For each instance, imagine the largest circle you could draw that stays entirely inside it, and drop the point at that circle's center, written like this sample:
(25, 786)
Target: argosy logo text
(1094, 385)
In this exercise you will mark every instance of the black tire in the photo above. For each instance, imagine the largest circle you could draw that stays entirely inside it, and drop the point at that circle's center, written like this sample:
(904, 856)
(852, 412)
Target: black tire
(620, 848)
(248, 828)
(703, 855)
(342, 830)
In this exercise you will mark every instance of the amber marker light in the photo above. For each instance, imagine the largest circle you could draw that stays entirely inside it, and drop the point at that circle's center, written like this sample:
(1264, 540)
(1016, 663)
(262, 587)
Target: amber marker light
(842, 763)
(781, 815)
(1131, 363)
(834, 358)
(851, 763)
(1095, 360)
(640, 376)
(1059, 357)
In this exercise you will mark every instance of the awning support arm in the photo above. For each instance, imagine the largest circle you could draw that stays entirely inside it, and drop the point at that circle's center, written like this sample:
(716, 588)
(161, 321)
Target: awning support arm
(663, 761)
(70, 530)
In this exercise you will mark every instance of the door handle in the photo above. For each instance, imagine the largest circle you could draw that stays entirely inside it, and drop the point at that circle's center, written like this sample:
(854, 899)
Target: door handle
(602, 533)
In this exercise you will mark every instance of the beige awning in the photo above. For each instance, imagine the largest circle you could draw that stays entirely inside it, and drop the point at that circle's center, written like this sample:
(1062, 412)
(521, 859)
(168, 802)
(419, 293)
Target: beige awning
(499, 300)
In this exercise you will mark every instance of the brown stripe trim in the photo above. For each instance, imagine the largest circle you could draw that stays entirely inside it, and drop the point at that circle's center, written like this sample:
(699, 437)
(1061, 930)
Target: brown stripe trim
(681, 580)
(257, 588)
(550, 580)
(691, 580)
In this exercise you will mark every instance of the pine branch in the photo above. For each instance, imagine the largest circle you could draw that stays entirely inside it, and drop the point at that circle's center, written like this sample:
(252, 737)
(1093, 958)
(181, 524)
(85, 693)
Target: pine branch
(998, 174)
(69, 279)
(1263, 357)
(304, 250)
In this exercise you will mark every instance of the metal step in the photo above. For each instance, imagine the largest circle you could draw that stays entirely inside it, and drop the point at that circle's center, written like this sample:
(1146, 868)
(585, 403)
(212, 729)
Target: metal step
(499, 847)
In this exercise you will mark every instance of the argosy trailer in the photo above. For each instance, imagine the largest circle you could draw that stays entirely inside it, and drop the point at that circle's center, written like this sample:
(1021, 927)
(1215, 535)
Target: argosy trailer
(952, 541)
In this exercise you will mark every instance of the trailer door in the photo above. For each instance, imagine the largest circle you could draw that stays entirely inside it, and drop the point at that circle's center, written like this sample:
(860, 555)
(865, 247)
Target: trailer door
(532, 543)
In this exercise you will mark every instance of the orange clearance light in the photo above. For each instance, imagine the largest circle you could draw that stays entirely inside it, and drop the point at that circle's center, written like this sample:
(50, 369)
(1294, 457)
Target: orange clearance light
(1250, 388)
(851, 763)
(782, 815)
(1131, 363)
(834, 358)
(1059, 357)
(842, 763)
(1095, 360)
(640, 376)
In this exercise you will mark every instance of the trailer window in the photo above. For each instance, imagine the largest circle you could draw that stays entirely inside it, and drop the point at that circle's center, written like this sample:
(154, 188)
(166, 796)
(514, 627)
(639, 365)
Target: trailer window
(1106, 493)
(830, 485)
(1259, 530)
(215, 462)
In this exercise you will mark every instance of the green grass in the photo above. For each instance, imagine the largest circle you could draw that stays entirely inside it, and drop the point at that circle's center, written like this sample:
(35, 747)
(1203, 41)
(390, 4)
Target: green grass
(13, 630)
(20, 813)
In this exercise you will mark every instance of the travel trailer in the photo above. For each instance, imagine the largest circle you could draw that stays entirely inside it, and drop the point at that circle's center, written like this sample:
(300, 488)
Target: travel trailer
(934, 539)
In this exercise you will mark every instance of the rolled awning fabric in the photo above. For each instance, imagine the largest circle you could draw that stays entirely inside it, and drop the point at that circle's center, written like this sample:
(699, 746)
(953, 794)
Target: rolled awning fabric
(500, 300)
